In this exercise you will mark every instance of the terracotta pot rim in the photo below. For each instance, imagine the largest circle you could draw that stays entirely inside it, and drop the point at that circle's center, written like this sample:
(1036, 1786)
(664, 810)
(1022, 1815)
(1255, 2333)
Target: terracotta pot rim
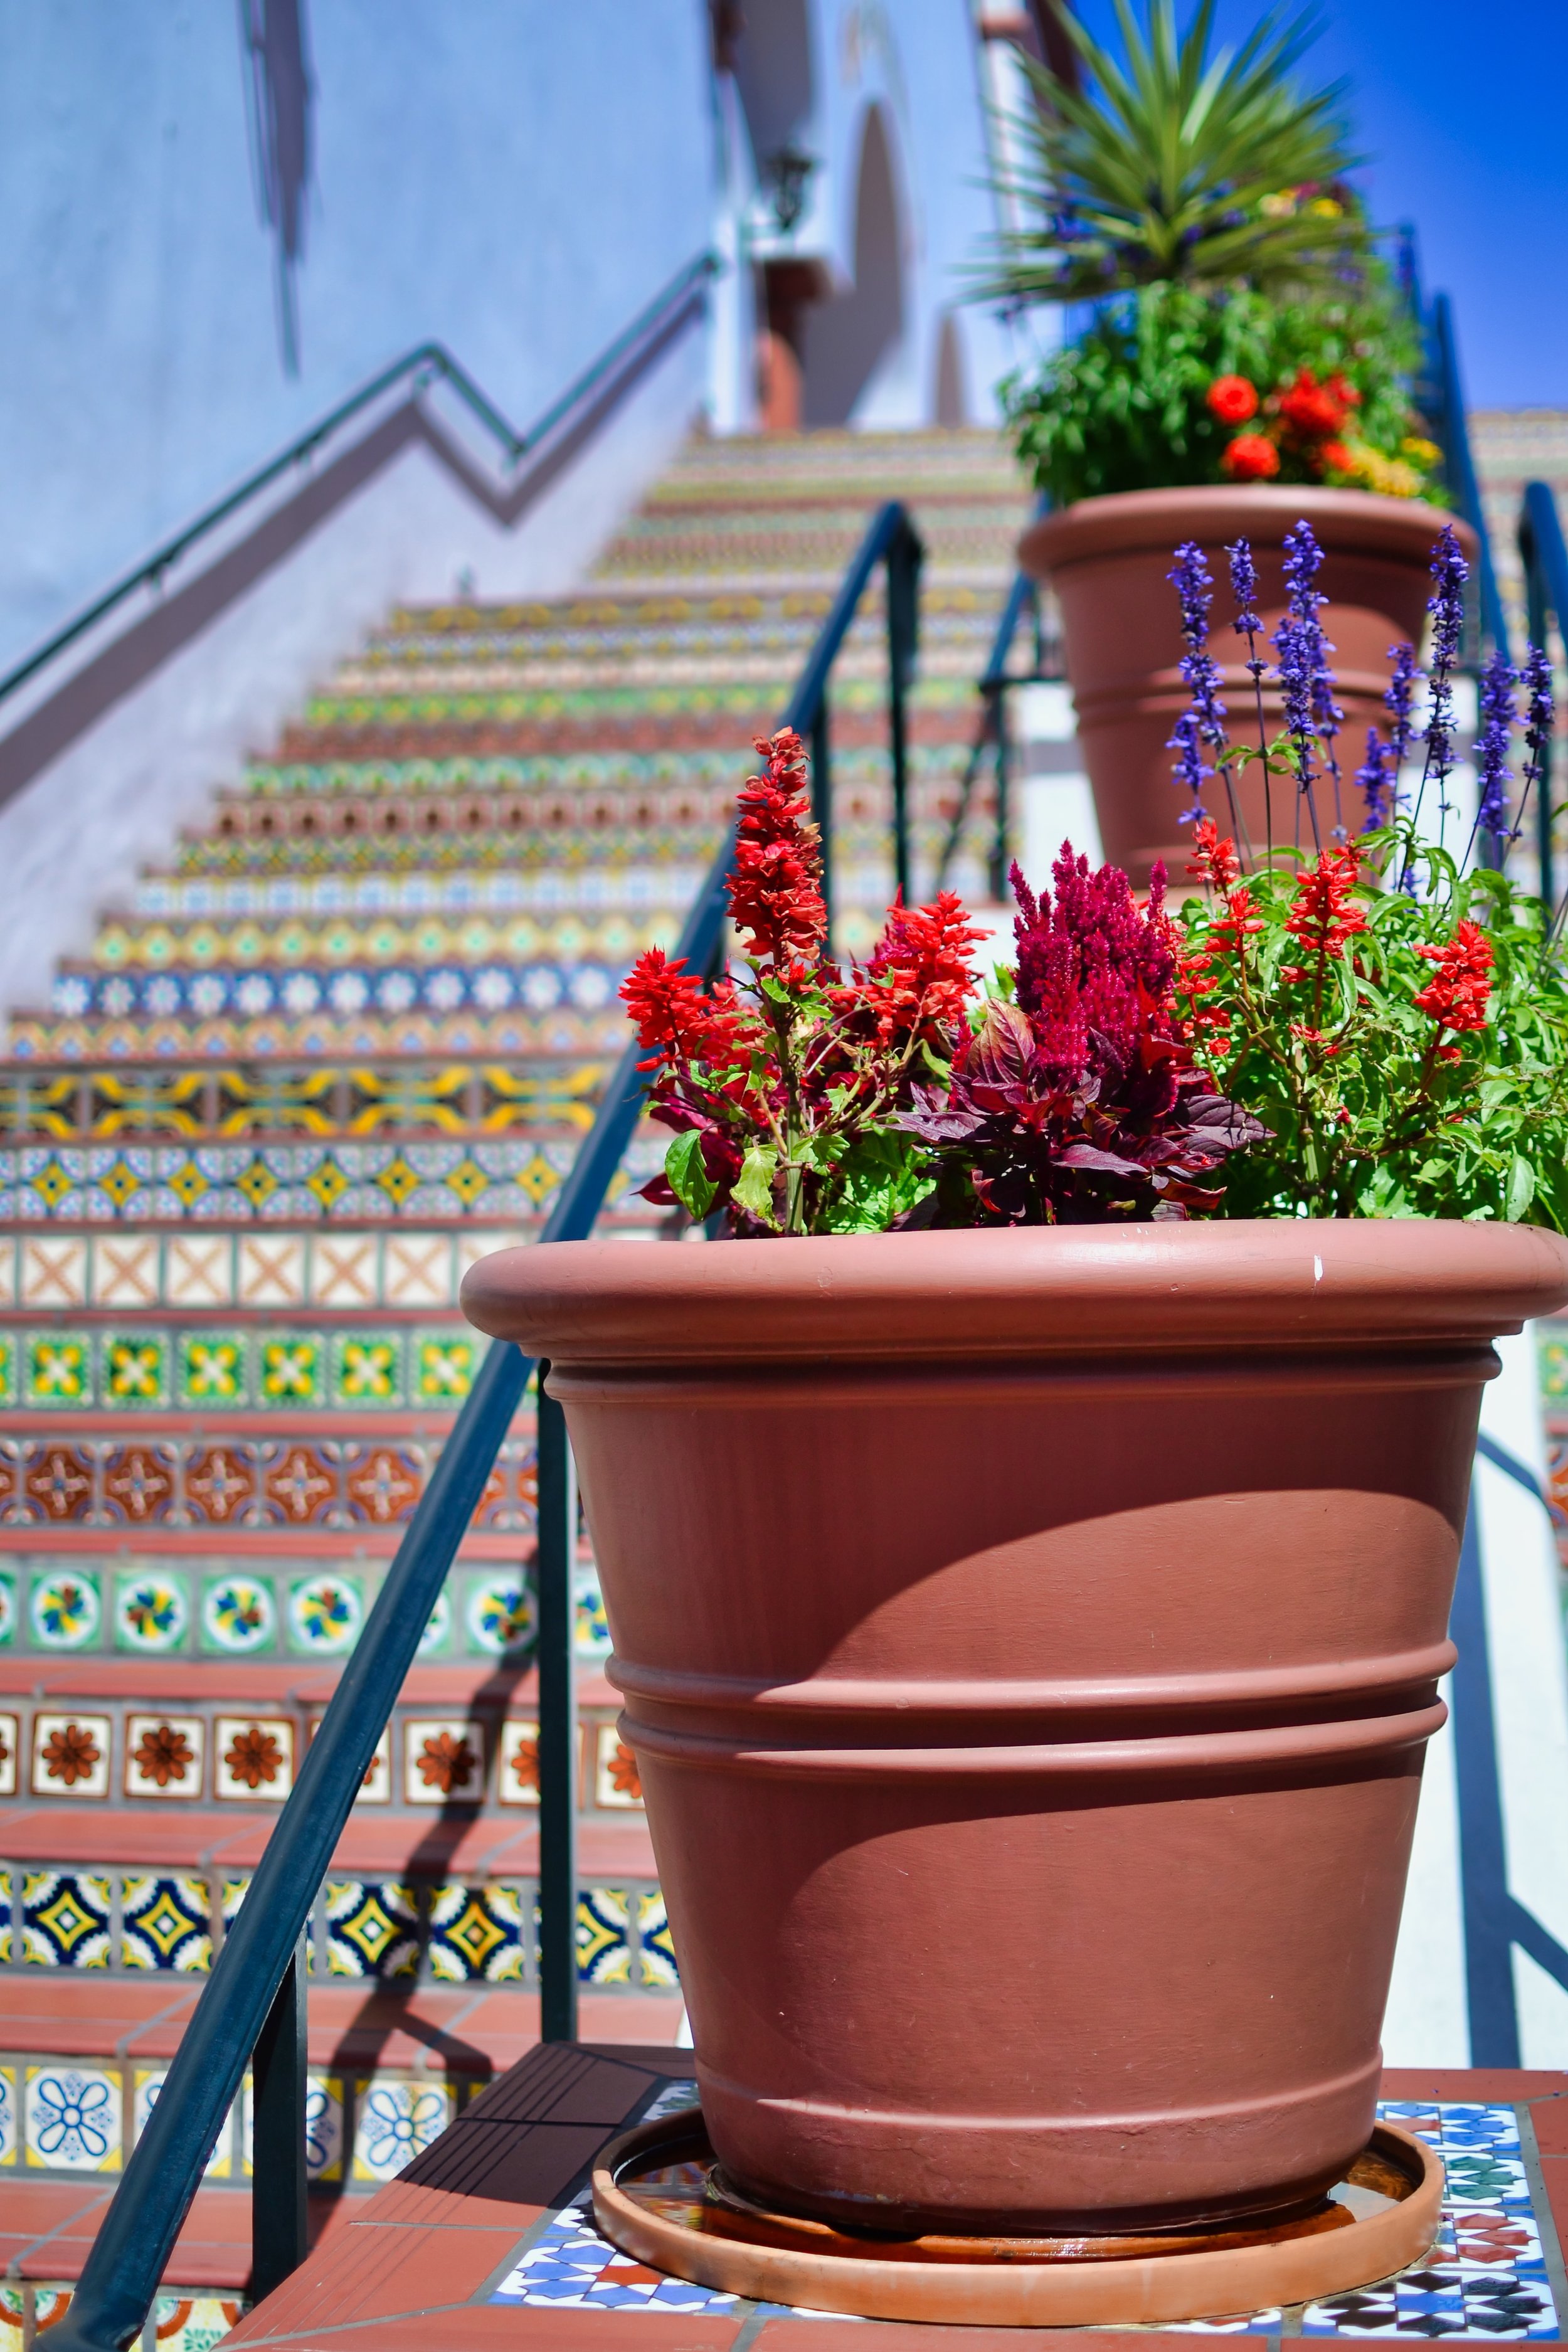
(1129, 521)
(1026, 1292)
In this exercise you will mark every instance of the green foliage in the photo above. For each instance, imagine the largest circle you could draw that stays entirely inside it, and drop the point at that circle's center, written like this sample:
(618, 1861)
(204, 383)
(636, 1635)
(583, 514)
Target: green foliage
(1172, 165)
(1375, 1109)
(1125, 406)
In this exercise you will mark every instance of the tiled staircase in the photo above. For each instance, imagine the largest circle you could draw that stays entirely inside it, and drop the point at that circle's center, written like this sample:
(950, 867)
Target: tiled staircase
(346, 1042)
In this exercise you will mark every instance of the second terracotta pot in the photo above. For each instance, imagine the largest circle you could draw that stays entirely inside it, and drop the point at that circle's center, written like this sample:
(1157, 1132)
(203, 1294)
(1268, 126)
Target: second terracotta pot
(1107, 560)
(1030, 1641)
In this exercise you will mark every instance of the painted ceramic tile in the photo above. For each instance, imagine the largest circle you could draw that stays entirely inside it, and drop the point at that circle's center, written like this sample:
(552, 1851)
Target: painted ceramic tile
(443, 1760)
(367, 1368)
(345, 1271)
(49, 2304)
(656, 1953)
(590, 1626)
(499, 1616)
(199, 1271)
(70, 1754)
(147, 2083)
(213, 1368)
(617, 1783)
(324, 1614)
(220, 1486)
(417, 1270)
(164, 1754)
(124, 1271)
(442, 1367)
(376, 1788)
(1552, 1345)
(166, 1922)
(383, 1482)
(58, 1481)
(271, 1272)
(373, 1928)
(58, 1370)
(300, 1485)
(477, 1931)
(151, 1612)
(134, 1368)
(517, 1769)
(13, 2318)
(73, 2121)
(393, 2122)
(7, 1608)
(604, 1935)
(10, 1753)
(323, 2126)
(10, 2116)
(238, 1615)
(54, 1272)
(64, 1608)
(437, 1639)
(65, 1919)
(289, 1370)
(253, 1757)
(193, 2323)
(138, 1483)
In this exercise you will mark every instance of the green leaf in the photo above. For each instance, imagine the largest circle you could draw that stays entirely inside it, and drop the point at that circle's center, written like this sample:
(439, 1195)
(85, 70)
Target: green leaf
(1521, 1188)
(688, 1178)
(753, 1187)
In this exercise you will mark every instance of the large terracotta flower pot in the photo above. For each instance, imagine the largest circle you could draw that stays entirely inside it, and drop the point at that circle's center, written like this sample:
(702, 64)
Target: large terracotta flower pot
(1030, 1641)
(1108, 561)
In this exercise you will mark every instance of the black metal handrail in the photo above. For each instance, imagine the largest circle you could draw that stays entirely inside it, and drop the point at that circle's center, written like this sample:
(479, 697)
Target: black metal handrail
(1545, 560)
(425, 365)
(252, 2001)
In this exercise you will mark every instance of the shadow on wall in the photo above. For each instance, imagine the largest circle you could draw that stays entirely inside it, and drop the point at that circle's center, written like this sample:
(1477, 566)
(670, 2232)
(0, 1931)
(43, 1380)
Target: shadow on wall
(847, 339)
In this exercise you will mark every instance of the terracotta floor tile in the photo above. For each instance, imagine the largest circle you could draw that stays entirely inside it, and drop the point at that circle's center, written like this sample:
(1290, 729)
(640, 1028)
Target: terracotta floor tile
(369, 2272)
(1554, 2171)
(155, 1836)
(1509, 2082)
(488, 2327)
(1550, 2116)
(67, 2016)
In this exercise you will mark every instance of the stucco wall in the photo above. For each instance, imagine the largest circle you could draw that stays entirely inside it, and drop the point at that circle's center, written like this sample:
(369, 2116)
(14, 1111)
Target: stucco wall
(510, 177)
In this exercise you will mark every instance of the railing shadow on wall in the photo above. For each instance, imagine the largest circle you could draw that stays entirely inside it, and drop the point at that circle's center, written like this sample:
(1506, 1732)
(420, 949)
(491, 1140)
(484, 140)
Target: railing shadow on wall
(252, 2009)
(268, 531)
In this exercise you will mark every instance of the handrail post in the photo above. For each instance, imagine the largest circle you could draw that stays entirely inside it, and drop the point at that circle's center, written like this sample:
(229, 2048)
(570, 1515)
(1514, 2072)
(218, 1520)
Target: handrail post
(903, 645)
(278, 2207)
(1538, 614)
(557, 1729)
(1001, 847)
(822, 803)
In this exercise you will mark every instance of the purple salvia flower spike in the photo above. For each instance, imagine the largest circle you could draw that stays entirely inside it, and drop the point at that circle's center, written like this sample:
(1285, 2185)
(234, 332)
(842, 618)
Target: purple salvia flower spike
(1447, 606)
(1372, 781)
(1399, 701)
(1188, 768)
(1497, 713)
(1540, 719)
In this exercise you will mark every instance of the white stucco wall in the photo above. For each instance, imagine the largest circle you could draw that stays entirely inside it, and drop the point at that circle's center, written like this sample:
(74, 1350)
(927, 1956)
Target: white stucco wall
(510, 177)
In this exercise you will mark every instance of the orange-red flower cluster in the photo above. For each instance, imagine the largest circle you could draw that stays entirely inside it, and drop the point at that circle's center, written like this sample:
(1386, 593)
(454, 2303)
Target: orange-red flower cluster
(1456, 995)
(1307, 420)
(775, 897)
(1232, 399)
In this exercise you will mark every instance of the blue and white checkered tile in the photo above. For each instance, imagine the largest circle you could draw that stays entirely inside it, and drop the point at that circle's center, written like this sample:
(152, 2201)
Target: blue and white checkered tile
(571, 2267)
(1486, 2275)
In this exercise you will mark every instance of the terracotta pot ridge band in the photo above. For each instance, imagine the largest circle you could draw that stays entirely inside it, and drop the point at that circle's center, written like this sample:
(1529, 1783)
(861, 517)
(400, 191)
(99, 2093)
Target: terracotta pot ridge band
(1230, 1366)
(1350, 2083)
(836, 1695)
(1208, 1751)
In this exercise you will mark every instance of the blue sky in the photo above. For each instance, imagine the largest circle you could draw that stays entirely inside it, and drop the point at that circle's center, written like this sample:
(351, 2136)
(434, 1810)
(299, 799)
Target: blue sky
(1460, 105)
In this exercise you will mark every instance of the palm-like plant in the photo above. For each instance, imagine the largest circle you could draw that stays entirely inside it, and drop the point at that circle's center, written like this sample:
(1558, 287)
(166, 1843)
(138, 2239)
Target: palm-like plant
(1172, 165)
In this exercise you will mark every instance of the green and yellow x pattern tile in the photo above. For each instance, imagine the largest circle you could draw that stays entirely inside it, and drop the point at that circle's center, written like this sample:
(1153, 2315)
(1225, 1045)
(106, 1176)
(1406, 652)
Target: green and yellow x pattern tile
(241, 1369)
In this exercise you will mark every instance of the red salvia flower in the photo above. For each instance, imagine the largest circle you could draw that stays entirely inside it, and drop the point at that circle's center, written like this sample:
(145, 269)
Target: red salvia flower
(1456, 995)
(1216, 862)
(1323, 916)
(919, 976)
(676, 1020)
(775, 893)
